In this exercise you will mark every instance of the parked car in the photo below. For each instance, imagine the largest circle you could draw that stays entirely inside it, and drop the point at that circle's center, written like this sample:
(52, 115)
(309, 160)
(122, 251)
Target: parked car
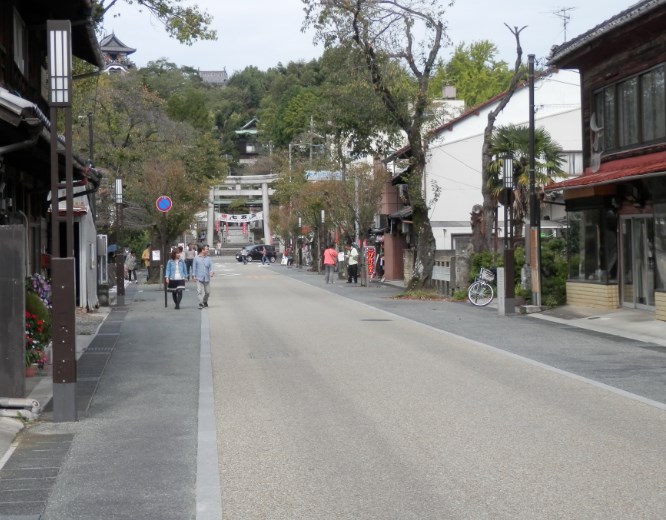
(254, 253)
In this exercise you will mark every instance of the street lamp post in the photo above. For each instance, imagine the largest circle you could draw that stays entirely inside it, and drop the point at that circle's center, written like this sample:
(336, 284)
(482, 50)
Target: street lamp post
(299, 243)
(120, 256)
(322, 238)
(509, 269)
(59, 37)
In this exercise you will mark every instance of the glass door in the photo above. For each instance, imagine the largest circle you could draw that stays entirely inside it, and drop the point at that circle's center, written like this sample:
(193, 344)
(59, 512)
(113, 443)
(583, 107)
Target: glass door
(637, 243)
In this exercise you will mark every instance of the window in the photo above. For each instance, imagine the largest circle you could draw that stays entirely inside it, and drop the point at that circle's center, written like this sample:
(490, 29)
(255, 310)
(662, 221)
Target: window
(653, 105)
(592, 245)
(19, 42)
(627, 93)
(572, 163)
(633, 111)
(608, 118)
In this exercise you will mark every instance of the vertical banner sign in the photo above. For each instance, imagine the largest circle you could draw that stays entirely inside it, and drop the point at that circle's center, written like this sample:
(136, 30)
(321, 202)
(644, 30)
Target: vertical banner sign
(371, 261)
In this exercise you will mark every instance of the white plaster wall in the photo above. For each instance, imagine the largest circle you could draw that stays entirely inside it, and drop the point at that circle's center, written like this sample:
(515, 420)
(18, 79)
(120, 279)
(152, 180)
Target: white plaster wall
(454, 160)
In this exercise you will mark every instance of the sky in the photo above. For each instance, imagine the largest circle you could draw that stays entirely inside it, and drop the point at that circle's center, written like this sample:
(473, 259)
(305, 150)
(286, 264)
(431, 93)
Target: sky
(263, 33)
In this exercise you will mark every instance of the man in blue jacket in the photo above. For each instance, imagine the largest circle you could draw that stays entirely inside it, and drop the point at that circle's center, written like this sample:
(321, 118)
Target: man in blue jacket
(202, 270)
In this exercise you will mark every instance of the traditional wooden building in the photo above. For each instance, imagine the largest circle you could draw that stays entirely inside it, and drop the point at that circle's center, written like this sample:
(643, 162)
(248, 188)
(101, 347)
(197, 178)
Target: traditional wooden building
(617, 208)
(25, 166)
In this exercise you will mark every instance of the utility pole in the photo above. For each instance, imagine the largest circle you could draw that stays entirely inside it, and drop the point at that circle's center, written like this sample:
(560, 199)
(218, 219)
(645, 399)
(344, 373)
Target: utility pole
(535, 217)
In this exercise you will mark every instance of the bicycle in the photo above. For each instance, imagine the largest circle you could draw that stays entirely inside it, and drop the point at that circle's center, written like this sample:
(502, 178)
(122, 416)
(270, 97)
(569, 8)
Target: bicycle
(481, 293)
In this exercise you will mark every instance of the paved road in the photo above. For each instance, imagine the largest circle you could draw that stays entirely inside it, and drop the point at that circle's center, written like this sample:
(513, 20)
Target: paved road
(335, 401)
(331, 408)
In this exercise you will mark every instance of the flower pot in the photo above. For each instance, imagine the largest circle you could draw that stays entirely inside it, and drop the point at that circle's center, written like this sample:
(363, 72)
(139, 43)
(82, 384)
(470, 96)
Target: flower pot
(31, 371)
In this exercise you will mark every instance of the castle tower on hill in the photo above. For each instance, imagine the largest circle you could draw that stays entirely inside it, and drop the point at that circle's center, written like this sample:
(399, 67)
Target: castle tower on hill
(116, 54)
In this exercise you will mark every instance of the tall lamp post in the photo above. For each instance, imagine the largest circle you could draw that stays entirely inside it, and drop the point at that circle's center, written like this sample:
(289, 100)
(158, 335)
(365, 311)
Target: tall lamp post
(59, 37)
(509, 269)
(322, 238)
(120, 257)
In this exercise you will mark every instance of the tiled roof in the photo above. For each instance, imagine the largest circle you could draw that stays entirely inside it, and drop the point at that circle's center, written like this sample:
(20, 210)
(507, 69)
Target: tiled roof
(111, 43)
(617, 171)
(638, 9)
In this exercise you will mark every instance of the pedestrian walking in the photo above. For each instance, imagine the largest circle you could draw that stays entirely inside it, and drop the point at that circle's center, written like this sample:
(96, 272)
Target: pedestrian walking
(203, 271)
(189, 260)
(145, 256)
(380, 266)
(352, 263)
(330, 259)
(175, 277)
(264, 257)
(130, 265)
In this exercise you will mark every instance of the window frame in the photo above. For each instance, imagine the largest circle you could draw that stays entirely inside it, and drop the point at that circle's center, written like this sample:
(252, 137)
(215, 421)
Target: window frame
(616, 117)
(20, 45)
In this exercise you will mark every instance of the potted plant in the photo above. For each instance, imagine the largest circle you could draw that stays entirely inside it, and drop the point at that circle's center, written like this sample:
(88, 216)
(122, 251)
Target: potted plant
(37, 338)
(37, 322)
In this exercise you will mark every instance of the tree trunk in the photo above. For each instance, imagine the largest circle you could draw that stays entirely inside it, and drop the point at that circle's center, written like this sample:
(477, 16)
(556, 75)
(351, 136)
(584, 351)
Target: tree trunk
(425, 251)
(483, 241)
(425, 239)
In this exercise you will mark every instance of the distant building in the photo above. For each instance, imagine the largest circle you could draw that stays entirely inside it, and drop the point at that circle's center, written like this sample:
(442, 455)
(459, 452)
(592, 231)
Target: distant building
(246, 142)
(214, 77)
(115, 54)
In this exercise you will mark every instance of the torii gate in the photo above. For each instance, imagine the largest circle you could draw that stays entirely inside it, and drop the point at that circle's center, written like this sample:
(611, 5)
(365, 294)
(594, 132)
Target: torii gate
(235, 186)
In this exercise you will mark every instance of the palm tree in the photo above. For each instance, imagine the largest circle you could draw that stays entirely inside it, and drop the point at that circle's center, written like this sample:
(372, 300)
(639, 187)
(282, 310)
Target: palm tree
(514, 140)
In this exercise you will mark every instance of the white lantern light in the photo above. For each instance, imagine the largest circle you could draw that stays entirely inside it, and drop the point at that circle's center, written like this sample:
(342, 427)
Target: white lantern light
(60, 62)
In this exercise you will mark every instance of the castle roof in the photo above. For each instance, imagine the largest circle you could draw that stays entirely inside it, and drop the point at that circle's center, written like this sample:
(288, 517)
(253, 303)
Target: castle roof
(111, 44)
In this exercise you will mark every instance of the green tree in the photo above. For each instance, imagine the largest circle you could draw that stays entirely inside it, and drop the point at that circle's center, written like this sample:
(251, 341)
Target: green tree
(354, 116)
(186, 24)
(389, 34)
(133, 131)
(513, 140)
(190, 106)
(166, 176)
(474, 71)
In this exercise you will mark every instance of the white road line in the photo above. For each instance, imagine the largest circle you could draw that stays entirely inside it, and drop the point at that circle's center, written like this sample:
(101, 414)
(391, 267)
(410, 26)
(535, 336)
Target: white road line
(209, 495)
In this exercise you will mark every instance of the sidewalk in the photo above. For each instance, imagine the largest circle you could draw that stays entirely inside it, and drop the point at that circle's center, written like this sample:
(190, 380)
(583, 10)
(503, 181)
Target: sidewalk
(137, 390)
(40, 387)
(627, 323)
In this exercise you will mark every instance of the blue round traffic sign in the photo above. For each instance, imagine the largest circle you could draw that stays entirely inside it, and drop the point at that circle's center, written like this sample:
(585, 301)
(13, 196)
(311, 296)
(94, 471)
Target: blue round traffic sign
(163, 203)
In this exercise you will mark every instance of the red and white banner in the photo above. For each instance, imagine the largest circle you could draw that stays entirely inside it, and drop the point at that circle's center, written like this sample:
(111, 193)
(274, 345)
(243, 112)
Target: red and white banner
(248, 217)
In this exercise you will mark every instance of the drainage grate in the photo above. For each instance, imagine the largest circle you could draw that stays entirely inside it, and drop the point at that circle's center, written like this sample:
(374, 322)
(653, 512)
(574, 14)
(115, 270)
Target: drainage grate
(103, 343)
(109, 327)
(91, 365)
(28, 476)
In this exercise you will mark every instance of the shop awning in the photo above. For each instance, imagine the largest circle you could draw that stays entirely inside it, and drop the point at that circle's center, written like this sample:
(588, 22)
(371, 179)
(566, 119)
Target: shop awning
(612, 172)
(403, 213)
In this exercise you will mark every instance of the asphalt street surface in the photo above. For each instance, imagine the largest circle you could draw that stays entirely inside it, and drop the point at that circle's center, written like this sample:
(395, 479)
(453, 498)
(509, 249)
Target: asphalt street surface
(291, 399)
(334, 403)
